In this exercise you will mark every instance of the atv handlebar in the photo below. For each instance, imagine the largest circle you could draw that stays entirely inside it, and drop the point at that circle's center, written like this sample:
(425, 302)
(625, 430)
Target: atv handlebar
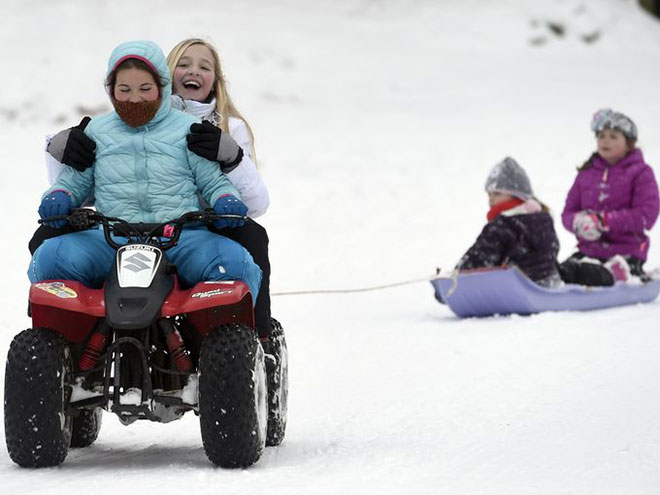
(138, 233)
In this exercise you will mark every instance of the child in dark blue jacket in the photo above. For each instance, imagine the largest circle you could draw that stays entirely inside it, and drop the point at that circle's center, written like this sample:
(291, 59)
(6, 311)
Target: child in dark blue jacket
(520, 230)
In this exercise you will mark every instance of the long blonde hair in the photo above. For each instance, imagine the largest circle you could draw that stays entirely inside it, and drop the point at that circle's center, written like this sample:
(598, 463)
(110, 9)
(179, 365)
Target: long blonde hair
(224, 105)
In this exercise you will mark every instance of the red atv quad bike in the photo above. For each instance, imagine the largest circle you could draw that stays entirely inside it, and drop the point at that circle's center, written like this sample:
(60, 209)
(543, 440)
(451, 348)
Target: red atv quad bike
(143, 347)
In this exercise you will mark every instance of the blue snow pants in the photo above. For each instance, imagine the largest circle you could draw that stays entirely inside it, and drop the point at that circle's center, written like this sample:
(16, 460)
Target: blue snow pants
(200, 255)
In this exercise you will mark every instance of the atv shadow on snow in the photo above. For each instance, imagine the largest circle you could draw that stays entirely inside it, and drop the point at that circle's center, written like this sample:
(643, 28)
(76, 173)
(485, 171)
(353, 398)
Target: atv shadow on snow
(111, 457)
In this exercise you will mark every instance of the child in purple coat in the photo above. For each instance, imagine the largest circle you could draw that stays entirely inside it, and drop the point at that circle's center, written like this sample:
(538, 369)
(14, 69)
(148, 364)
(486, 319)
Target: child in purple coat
(613, 202)
(519, 232)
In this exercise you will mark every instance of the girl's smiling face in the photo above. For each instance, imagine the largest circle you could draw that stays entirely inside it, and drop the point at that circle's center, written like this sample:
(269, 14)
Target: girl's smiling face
(194, 74)
(135, 85)
(612, 145)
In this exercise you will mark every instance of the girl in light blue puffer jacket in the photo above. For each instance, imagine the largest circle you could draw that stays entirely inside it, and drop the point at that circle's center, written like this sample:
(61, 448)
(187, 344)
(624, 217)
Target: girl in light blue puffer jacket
(143, 172)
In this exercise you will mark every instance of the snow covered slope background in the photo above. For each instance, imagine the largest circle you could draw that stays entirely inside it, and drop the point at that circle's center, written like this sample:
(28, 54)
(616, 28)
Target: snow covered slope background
(376, 124)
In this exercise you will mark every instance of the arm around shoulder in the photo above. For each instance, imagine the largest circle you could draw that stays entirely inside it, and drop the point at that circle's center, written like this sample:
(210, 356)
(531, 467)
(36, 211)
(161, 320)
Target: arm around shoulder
(73, 147)
(245, 176)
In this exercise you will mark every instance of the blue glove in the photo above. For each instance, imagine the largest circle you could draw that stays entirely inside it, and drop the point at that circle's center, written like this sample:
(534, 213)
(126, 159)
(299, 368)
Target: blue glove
(229, 205)
(56, 203)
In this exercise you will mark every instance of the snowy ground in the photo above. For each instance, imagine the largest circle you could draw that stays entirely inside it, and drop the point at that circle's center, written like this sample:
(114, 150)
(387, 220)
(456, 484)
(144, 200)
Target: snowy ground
(376, 124)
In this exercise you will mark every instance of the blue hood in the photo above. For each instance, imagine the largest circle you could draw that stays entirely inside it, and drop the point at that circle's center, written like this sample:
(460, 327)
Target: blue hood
(151, 53)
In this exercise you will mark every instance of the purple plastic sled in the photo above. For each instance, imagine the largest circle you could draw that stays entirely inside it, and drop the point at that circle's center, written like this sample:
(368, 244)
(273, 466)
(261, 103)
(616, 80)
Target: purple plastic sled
(507, 290)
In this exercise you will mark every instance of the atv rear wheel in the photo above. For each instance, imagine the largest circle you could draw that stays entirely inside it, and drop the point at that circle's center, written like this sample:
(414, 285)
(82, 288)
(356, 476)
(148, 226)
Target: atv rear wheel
(38, 380)
(277, 373)
(86, 427)
(233, 409)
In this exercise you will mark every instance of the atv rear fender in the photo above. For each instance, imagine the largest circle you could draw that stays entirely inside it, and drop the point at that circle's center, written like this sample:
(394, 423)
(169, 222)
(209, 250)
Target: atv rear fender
(72, 309)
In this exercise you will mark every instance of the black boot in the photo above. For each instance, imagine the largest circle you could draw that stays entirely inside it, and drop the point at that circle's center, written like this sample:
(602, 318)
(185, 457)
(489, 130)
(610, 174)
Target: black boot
(576, 271)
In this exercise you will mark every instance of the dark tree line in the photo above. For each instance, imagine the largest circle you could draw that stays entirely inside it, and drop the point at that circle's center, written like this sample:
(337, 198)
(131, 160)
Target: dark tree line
(652, 6)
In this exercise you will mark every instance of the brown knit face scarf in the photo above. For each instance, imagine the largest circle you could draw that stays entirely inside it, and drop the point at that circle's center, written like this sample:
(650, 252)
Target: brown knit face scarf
(136, 114)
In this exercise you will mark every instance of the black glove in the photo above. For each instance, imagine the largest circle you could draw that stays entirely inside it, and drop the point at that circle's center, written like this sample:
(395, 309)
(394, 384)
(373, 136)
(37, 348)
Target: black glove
(208, 141)
(73, 148)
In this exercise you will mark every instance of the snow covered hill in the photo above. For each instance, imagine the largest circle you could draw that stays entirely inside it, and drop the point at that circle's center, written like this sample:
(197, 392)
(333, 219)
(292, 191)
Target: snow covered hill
(376, 123)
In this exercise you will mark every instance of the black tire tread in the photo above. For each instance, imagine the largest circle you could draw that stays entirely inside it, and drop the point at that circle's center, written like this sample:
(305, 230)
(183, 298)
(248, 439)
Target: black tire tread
(33, 398)
(277, 408)
(228, 416)
(86, 427)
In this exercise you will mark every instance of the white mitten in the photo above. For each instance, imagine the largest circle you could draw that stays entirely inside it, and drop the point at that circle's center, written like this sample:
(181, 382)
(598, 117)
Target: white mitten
(587, 225)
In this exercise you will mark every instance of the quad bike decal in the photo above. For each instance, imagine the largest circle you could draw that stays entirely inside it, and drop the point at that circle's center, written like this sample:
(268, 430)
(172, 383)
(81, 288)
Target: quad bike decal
(211, 293)
(57, 289)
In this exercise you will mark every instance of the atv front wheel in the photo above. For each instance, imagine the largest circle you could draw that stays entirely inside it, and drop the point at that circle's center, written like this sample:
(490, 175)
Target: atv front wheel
(38, 380)
(277, 373)
(233, 411)
(86, 427)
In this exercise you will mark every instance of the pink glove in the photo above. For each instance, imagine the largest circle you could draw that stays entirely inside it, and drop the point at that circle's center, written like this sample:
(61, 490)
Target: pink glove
(587, 225)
